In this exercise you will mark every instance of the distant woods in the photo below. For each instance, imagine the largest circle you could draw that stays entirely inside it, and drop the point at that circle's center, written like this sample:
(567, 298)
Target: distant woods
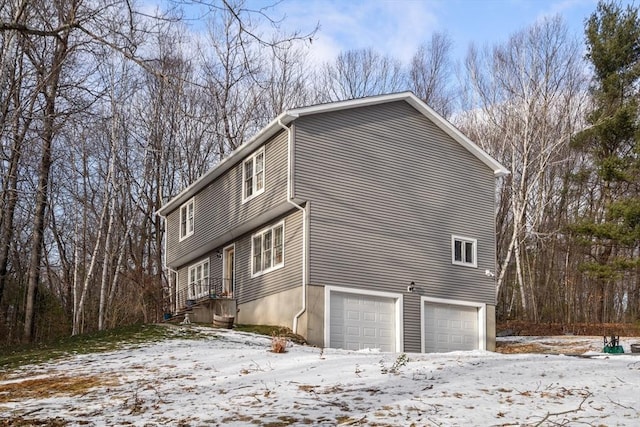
(107, 111)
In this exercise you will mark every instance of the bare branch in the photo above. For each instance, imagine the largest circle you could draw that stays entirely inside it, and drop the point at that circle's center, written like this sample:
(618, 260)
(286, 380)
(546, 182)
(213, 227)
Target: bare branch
(25, 29)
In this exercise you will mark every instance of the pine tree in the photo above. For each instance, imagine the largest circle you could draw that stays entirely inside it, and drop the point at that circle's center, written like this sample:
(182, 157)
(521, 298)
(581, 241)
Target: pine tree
(610, 228)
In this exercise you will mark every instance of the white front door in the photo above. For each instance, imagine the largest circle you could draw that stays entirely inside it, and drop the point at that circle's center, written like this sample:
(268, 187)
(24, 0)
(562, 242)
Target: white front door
(228, 271)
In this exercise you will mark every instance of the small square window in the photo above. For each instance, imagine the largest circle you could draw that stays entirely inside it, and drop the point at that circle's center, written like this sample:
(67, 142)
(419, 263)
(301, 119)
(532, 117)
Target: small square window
(187, 219)
(463, 251)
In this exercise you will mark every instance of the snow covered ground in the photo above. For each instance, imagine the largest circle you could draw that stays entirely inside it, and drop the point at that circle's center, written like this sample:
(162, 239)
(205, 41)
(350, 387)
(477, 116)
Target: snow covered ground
(207, 376)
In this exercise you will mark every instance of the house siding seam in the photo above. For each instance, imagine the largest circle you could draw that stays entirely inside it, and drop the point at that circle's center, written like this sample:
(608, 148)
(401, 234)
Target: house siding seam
(394, 189)
(219, 206)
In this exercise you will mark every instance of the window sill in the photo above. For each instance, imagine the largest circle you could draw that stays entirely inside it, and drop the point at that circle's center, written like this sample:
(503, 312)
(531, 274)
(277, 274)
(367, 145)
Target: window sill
(185, 237)
(268, 270)
(464, 264)
(253, 196)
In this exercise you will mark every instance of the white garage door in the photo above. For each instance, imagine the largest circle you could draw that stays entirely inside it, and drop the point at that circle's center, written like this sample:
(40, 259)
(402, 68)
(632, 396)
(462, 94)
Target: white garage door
(450, 327)
(358, 321)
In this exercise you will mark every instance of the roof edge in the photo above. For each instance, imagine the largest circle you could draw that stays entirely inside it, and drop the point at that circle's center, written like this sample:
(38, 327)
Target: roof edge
(455, 133)
(225, 164)
(422, 107)
(288, 116)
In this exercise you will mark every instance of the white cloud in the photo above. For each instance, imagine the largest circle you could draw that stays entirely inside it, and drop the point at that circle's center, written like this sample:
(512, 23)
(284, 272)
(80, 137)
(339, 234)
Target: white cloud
(395, 28)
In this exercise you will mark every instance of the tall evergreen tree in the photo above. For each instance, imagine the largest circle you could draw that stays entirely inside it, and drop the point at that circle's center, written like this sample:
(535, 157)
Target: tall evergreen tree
(609, 227)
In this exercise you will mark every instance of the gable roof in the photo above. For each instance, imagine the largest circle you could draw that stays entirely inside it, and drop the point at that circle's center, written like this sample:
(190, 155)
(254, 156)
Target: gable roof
(289, 116)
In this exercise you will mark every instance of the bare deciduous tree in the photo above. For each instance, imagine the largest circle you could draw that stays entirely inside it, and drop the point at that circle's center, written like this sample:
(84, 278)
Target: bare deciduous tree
(430, 73)
(359, 73)
(528, 97)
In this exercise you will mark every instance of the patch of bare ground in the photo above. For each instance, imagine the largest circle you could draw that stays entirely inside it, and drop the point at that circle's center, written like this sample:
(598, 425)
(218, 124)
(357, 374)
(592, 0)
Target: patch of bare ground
(520, 327)
(31, 422)
(47, 386)
(540, 348)
(571, 347)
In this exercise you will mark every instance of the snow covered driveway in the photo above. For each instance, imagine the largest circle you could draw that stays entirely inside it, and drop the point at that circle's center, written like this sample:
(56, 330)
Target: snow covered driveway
(222, 377)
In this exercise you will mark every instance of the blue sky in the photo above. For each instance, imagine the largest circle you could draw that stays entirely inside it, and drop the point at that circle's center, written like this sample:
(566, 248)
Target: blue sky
(397, 27)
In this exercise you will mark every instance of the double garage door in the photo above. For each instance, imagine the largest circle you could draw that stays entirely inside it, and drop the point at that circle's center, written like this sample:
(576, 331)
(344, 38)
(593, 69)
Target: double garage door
(358, 321)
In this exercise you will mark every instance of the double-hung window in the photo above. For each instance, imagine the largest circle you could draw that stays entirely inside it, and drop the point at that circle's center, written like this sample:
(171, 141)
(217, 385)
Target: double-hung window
(199, 280)
(267, 249)
(187, 219)
(253, 175)
(464, 251)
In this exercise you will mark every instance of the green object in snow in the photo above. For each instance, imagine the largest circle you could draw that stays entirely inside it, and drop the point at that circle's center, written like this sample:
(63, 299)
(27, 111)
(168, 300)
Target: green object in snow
(612, 345)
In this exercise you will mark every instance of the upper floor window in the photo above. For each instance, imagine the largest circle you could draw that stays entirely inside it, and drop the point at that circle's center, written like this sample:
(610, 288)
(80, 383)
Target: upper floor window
(464, 251)
(253, 175)
(267, 249)
(187, 219)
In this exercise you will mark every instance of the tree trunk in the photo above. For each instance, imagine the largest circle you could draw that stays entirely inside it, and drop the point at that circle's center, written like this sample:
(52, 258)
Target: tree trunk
(104, 282)
(50, 93)
(10, 199)
(79, 309)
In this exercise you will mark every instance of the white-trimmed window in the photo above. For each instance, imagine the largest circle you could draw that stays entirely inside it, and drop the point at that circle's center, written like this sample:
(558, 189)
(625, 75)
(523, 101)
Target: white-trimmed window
(464, 251)
(187, 219)
(253, 175)
(199, 280)
(267, 249)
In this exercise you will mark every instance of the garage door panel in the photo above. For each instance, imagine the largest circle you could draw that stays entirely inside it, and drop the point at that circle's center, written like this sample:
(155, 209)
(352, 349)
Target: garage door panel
(352, 331)
(386, 333)
(369, 332)
(386, 318)
(361, 321)
(352, 345)
(469, 326)
(353, 315)
(369, 317)
(449, 327)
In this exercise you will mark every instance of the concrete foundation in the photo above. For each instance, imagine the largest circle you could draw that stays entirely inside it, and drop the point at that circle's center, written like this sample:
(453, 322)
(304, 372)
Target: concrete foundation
(275, 310)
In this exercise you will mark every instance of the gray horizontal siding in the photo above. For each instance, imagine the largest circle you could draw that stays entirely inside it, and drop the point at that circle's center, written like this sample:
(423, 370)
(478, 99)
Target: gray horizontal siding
(394, 189)
(411, 311)
(275, 281)
(219, 207)
(248, 288)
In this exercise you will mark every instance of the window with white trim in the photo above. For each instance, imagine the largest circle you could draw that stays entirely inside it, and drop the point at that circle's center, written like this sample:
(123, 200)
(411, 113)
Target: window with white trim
(464, 251)
(187, 219)
(267, 249)
(253, 175)
(199, 280)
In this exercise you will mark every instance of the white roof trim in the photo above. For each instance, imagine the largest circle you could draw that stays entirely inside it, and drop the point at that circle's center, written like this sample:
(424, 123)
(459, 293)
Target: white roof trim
(225, 164)
(453, 132)
(289, 116)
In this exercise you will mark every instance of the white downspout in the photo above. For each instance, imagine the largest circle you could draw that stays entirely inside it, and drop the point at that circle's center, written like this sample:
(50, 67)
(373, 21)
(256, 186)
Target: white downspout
(304, 228)
(164, 263)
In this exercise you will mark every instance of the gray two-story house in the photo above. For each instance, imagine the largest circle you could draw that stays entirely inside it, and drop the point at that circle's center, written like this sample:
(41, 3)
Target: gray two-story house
(366, 223)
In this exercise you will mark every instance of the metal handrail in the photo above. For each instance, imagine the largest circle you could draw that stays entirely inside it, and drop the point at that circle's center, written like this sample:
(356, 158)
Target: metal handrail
(202, 290)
